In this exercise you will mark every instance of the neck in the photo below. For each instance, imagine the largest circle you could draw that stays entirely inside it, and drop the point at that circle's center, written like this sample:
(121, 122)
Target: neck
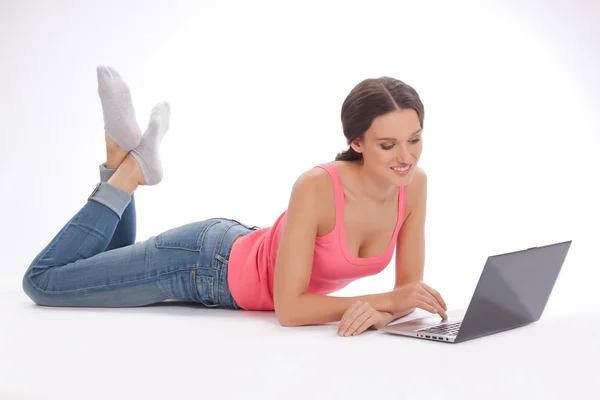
(374, 186)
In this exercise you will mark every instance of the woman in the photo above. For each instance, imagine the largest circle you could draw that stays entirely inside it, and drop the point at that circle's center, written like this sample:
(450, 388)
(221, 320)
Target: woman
(343, 222)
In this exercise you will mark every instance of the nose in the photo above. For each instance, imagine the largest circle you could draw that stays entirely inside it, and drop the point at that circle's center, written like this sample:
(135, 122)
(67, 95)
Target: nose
(403, 156)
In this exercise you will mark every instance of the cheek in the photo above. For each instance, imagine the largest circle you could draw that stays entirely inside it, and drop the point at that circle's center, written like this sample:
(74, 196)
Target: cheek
(385, 156)
(416, 152)
(378, 154)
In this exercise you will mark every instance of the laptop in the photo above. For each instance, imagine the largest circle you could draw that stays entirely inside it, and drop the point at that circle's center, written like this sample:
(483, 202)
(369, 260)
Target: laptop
(512, 292)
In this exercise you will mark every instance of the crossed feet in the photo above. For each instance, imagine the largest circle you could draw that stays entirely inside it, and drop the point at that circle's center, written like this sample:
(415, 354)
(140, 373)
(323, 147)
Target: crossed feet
(134, 156)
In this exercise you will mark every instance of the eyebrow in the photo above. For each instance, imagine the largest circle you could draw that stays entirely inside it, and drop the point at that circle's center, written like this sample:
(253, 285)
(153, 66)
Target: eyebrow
(390, 138)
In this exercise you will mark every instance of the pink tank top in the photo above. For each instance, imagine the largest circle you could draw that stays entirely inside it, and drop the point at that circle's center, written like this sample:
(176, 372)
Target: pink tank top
(252, 258)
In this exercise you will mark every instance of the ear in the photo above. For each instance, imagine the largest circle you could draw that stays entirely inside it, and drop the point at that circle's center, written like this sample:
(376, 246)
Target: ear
(357, 145)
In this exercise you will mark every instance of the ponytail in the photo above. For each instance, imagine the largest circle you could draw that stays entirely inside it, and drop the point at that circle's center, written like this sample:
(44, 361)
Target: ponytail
(349, 155)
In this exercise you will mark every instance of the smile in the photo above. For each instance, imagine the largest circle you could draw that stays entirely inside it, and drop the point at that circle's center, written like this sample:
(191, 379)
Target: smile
(402, 170)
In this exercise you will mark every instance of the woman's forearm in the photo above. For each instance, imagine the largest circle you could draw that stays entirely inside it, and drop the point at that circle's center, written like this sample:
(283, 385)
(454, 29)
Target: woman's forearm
(314, 309)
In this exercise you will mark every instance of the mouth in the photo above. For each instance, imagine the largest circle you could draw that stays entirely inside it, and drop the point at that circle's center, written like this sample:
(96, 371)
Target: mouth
(402, 169)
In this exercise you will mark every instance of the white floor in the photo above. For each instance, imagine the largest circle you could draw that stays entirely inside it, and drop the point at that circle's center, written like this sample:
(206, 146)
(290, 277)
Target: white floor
(180, 351)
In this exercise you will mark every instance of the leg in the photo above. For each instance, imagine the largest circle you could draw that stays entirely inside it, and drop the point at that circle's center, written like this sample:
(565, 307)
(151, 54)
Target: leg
(76, 262)
(75, 270)
(189, 262)
(146, 154)
(145, 157)
(115, 195)
(85, 236)
(125, 232)
(122, 134)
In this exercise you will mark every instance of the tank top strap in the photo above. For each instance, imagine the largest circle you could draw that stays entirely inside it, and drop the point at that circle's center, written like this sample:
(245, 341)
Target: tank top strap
(338, 189)
(401, 209)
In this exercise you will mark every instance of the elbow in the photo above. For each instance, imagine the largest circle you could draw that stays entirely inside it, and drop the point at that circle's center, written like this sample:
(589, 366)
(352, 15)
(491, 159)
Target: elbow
(286, 315)
(286, 322)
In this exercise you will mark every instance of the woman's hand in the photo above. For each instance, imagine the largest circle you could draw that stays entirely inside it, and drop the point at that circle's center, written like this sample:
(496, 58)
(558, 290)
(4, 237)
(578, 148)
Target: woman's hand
(418, 295)
(360, 317)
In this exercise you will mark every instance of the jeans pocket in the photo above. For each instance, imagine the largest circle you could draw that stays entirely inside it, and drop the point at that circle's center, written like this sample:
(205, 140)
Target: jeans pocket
(204, 287)
(186, 237)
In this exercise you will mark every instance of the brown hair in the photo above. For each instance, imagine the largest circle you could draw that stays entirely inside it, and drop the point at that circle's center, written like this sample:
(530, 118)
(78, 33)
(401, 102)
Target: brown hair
(370, 99)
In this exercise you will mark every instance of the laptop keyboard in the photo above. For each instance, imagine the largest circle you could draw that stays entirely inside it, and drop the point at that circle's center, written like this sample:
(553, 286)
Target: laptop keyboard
(444, 329)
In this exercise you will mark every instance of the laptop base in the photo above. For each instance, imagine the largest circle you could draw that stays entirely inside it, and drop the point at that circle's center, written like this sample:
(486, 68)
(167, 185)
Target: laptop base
(415, 327)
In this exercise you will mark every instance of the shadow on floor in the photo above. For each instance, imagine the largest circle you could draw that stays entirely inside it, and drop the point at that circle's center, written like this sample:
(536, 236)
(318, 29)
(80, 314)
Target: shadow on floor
(171, 308)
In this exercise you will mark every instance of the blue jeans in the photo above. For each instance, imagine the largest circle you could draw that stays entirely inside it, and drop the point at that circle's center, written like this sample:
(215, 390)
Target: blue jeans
(94, 262)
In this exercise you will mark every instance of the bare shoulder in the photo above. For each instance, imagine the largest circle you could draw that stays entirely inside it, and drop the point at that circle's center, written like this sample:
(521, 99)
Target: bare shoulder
(313, 195)
(315, 175)
(312, 182)
(416, 191)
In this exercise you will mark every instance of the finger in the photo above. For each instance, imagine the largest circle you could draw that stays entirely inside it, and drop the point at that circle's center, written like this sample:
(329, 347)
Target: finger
(364, 326)
(435, 294)
(348, 317)
(358, 321)
(352, 316)
(440, 308)
(429, 291)
(431, 301)
(423, 305)
(369, 322)
(434, 302)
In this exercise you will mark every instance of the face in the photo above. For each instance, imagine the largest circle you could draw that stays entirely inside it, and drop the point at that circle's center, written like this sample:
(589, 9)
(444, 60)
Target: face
(392, 146)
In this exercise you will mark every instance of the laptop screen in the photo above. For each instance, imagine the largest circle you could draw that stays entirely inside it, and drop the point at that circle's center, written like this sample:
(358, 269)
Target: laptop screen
(513, 290)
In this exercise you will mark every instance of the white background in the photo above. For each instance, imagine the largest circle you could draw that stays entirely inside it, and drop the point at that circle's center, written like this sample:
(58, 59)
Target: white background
(511, 92)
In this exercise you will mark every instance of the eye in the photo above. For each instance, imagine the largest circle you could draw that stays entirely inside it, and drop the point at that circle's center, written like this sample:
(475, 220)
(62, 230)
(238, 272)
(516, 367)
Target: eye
(415, 140)
(387, 147)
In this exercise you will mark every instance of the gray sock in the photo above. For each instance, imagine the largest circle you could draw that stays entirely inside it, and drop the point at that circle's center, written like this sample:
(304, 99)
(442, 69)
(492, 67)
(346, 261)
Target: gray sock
(119, 115)
(105, 173)
(147, 152)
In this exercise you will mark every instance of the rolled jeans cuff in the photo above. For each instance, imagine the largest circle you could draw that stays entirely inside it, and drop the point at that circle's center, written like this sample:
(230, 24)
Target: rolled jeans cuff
(105, 173)
(111, 196)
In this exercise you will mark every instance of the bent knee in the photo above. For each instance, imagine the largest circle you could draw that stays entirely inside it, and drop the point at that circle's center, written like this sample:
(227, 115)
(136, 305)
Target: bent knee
(33, 286)
(30, 289)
